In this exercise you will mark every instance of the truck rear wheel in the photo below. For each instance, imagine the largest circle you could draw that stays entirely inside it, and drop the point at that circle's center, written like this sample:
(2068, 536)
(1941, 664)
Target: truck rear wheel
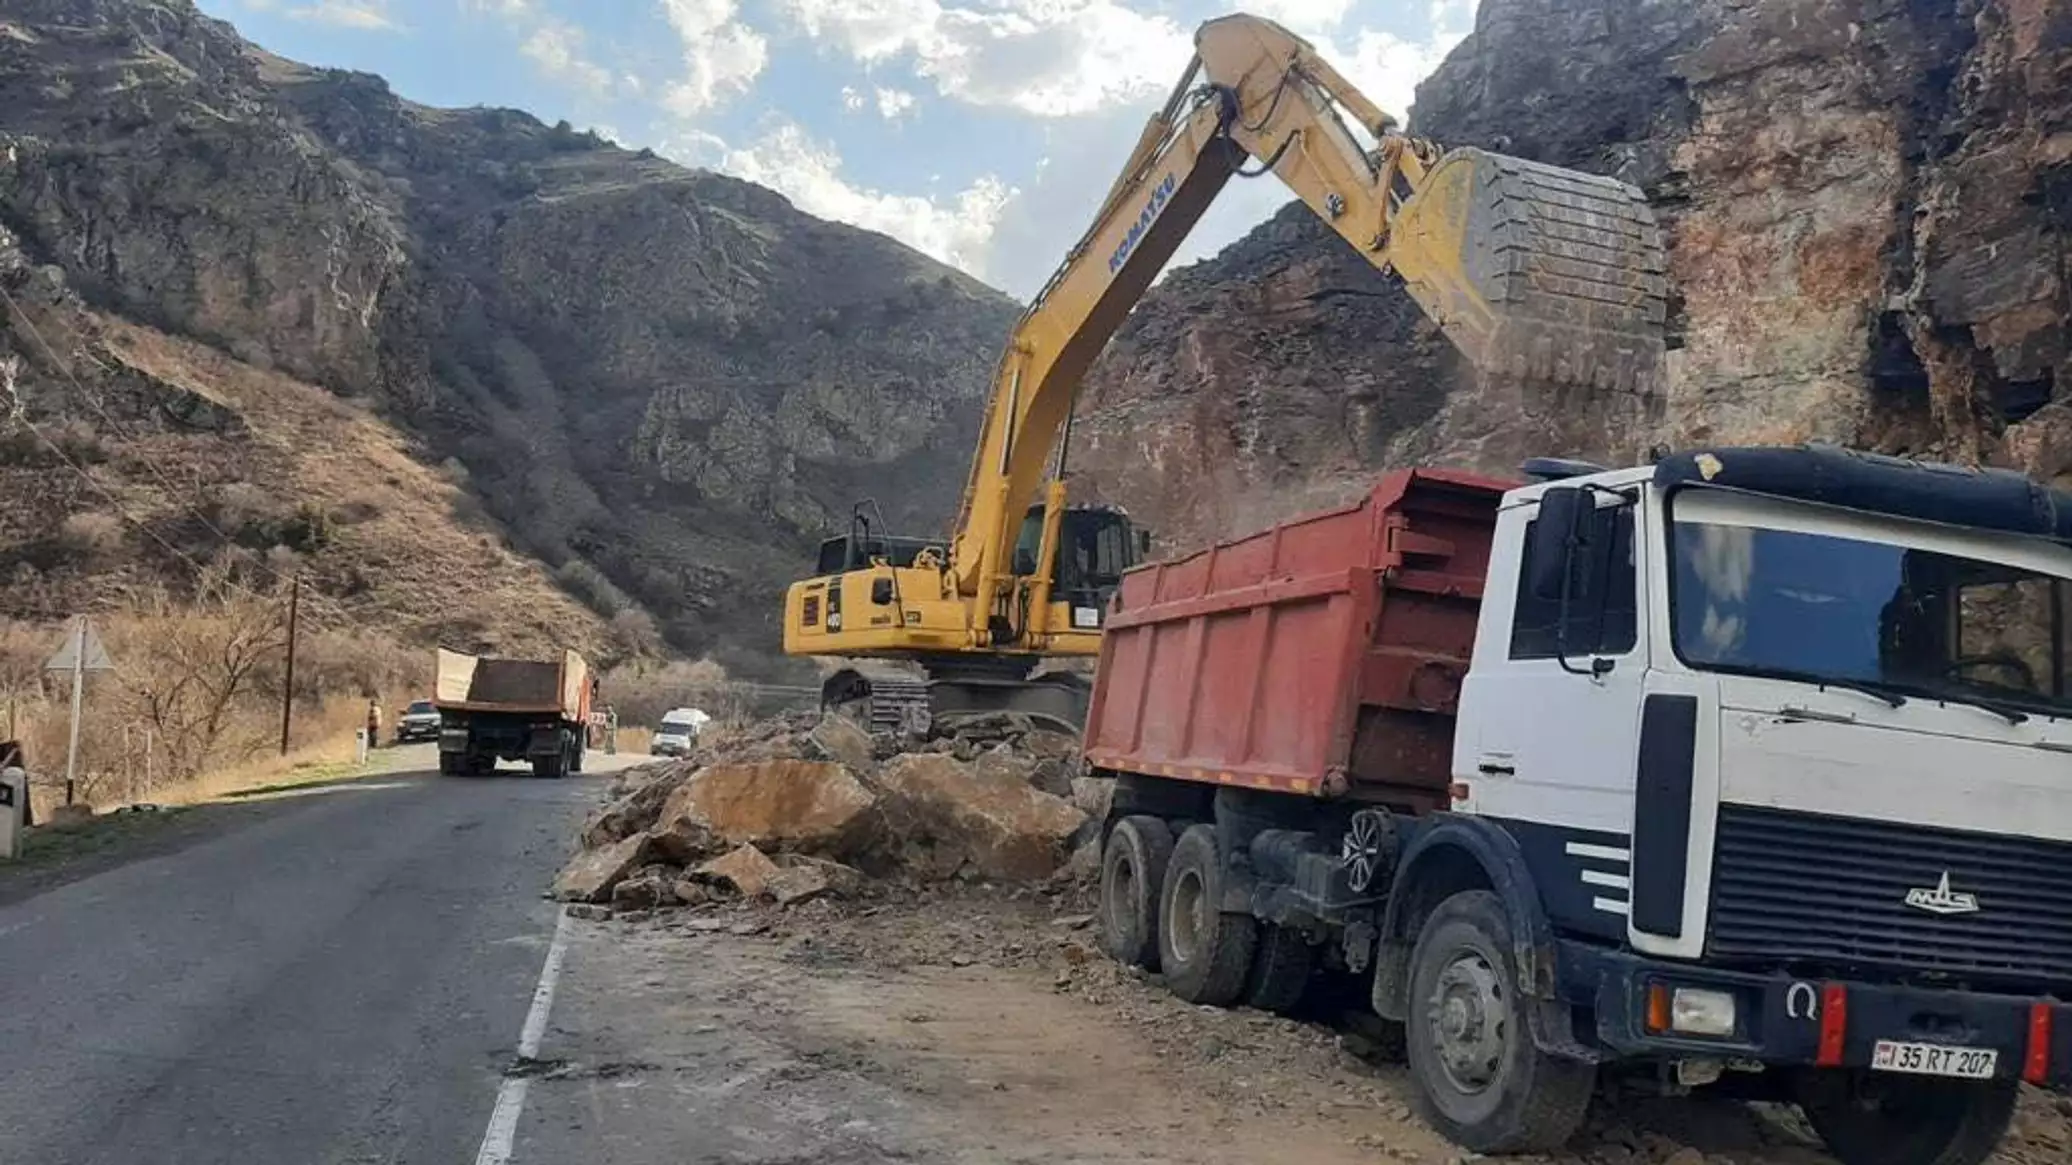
(1133, 867)
(1484, 1083)
(552, 766)
(1281, 969)
(1204, 951)
(453, 764)
(1871, 1118)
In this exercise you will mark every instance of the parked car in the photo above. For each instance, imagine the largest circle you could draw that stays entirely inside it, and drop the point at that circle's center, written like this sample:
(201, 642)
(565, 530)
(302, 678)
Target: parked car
(420, 721)
(678, 732)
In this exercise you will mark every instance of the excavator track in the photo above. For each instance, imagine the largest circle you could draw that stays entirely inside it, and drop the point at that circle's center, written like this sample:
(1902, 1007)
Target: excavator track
(878, 703)
(953, 696)
(1538, 272)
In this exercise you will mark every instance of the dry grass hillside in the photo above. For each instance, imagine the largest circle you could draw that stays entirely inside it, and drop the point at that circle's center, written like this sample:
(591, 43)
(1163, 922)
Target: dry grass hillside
(168, 454)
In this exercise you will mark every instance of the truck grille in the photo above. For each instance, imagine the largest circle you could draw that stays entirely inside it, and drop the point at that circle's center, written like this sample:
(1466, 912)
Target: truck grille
(1812, 889)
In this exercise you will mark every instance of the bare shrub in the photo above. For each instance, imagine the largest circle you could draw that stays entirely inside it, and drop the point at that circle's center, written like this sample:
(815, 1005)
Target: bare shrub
(90, 534)
(643, 691)
(191, 668)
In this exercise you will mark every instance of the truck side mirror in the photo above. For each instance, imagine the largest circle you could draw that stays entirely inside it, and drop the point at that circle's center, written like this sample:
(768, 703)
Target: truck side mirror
(881, 591)
(1143, 545)
(1563, 512)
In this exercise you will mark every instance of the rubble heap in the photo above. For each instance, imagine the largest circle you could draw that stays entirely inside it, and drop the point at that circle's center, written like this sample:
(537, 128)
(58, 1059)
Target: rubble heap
(800, 807)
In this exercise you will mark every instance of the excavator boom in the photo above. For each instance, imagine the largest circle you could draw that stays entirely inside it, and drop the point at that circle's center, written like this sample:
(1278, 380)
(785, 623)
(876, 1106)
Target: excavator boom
(1534, 272)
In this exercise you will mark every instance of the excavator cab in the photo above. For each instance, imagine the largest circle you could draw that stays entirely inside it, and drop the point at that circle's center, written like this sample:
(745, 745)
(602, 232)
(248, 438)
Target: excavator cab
(1096, 544)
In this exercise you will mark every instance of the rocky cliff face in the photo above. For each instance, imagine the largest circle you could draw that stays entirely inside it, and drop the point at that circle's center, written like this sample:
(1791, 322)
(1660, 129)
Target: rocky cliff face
(1865, 202)
(662, 384)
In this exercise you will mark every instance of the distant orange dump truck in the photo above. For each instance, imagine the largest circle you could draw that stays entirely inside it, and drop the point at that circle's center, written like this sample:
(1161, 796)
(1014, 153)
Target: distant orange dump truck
(494, 709)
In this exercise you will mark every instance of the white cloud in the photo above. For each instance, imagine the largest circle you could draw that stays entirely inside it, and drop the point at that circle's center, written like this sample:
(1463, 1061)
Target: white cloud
(368, 15)
(893, 103)
(784, 158)
(1050, 58)
(556, 47)
(852, 100)
(1302, 17)
(722, 56)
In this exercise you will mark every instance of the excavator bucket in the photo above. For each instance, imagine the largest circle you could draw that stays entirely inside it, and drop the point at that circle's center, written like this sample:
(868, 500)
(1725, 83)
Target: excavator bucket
(1537, 272)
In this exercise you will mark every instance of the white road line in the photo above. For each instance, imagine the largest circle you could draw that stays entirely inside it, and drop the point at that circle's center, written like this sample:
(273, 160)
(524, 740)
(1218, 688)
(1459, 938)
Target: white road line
(510, 1095)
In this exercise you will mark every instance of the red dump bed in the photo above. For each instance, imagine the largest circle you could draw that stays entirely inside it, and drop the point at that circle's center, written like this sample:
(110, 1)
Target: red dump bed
(1323, 656)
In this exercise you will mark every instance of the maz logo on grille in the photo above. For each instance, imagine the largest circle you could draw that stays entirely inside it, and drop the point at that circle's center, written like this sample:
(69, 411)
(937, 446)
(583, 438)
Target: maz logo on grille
(1942, 899)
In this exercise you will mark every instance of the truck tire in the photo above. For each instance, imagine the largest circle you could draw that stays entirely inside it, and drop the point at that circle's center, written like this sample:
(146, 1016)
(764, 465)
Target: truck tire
(1485, 1085)
(1204, 951)
(575, 756)
(1876, 1119)
(452, 764)
(552, 766)
(1133, 867)
(1281, 969)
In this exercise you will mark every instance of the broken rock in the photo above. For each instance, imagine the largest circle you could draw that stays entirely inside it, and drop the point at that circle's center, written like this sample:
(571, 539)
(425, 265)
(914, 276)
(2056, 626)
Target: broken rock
(642, 893)
(844, 740)
(748, 870)
(981, 814)
(798, 884)
(632, 811)
(778, 804)
(842, 881)
(590, 876)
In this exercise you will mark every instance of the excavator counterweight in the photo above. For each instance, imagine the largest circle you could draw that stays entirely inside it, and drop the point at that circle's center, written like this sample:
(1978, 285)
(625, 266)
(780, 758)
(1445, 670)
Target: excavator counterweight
(1536, 273)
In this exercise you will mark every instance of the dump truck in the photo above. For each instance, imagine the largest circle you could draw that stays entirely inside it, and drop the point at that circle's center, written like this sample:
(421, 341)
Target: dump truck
(1745, 770)
(512, 709)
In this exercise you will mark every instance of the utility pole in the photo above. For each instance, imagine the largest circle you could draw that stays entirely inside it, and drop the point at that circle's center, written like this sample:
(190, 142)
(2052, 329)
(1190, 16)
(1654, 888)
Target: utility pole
(288, 683)
(78, 697)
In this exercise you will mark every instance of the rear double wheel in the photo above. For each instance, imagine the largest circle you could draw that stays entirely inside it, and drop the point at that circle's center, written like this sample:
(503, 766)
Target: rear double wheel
(1133, 869)
(561, 763)
(1205, 951)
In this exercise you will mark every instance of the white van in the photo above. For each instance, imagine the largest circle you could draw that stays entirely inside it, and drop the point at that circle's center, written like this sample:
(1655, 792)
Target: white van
(678, 732)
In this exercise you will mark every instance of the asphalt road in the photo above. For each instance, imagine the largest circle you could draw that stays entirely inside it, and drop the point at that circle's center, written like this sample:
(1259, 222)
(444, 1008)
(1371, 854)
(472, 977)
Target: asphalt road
(340, 980)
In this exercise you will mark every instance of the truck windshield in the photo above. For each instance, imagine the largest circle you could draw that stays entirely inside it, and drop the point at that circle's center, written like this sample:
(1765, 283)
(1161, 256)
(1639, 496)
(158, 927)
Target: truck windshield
(679, 727)
(1897, 619)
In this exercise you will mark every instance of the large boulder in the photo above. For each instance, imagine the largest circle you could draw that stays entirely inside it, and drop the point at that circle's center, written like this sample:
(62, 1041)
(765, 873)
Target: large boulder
(952, 815)
(815, 806)
(592, 873)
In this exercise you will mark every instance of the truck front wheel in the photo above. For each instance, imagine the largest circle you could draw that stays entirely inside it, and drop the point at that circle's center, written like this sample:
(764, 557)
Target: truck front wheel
(1204, 950)
(1133, 867)
(1870, 1118)
(1485, 1084)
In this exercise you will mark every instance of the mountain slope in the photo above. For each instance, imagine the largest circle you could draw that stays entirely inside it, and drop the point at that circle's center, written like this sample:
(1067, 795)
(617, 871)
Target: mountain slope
(1865, 211)
(662, 384)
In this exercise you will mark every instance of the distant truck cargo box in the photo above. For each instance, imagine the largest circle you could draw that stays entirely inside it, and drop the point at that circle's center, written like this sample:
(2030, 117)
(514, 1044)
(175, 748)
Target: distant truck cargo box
(1323, 656)
(485, 683)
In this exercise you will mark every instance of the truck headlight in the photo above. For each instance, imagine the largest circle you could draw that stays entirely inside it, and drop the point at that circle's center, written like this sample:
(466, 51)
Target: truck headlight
(1694, 1011)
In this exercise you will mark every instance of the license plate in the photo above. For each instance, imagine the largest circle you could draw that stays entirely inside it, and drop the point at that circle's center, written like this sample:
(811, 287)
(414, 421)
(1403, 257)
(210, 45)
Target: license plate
(1934, 1060)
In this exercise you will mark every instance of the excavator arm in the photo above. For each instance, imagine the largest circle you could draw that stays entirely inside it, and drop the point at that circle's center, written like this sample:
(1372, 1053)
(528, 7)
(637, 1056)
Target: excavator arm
(1532, 271)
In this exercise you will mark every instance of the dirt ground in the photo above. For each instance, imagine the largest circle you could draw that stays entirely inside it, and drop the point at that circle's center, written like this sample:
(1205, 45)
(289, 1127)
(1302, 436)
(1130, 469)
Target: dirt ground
(984, 1027)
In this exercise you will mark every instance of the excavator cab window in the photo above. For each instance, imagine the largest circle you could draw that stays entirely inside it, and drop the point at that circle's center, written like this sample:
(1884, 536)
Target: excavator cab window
(854, 552)
(1095, 546)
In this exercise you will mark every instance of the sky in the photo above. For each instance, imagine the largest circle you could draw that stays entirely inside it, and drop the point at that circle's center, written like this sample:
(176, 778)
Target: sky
(982, 132)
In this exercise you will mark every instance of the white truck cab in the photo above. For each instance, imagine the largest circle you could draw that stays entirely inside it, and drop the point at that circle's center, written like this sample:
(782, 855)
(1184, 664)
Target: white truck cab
(1782, 737)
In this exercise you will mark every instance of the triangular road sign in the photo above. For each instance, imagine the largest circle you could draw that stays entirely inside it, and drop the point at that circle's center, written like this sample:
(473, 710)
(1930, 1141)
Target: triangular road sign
(96, 654)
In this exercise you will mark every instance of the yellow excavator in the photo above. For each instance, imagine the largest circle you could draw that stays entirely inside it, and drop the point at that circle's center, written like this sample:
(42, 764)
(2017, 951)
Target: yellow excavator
(1534, 272)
